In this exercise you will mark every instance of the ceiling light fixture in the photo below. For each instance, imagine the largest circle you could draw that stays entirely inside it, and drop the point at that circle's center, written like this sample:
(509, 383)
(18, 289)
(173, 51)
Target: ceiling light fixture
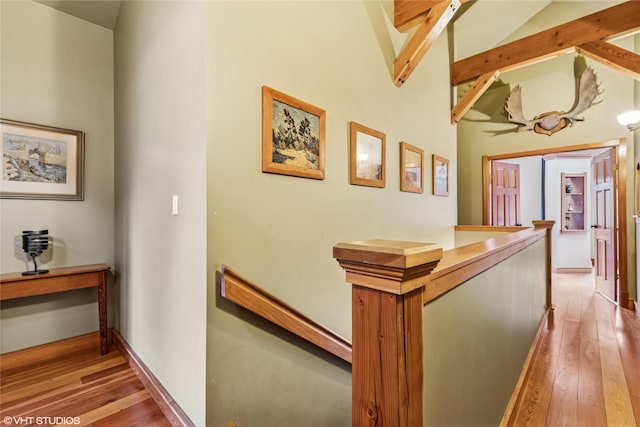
(630, 119)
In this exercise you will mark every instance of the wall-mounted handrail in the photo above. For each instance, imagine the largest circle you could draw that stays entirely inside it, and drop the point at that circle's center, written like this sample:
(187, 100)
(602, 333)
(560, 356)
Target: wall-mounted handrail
(241, 291)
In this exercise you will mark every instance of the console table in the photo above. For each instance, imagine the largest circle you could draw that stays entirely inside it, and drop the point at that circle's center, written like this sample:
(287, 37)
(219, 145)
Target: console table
(15, 285)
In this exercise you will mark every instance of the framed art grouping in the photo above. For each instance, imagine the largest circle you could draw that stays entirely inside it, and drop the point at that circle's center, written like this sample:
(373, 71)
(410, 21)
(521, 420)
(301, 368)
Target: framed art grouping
(440, 176)
(411, 168)
(41, 162)
(366, 156)
(293, 136)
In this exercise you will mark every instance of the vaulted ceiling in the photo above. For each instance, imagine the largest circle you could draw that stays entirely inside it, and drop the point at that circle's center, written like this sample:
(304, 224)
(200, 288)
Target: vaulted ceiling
(100, 12)
(589, 35)
(474, 23)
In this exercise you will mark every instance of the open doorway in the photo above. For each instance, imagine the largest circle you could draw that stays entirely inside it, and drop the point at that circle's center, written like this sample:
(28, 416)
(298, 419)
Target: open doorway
(616, 272)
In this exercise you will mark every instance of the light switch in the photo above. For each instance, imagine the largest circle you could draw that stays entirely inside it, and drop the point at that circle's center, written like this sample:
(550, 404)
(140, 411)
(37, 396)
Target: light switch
(174, 204)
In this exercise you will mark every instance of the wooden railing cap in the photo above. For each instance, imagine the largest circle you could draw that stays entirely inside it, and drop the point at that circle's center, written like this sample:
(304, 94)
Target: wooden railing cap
(543, 223)
(388, 265)
(389, 253)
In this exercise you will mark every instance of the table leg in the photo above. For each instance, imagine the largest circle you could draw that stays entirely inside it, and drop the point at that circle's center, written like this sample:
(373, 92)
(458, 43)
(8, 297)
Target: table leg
(102, 313)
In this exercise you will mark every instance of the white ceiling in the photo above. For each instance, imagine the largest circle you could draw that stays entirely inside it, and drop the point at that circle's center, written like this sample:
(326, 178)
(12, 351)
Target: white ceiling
(475, 26)
(100, 12)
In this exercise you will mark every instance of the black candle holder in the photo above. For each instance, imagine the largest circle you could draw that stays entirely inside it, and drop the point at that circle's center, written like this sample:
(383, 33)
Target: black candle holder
(34, 243)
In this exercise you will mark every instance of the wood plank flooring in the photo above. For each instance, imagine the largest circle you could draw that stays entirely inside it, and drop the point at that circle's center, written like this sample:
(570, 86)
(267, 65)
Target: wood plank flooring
(586, 373)
(587, 368)
(69, 383)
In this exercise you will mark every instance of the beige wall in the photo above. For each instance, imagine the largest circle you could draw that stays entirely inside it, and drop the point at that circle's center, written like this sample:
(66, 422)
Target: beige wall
(477, 338)
(546, 86)
(279, 231)
(57, 70)
(160, 152)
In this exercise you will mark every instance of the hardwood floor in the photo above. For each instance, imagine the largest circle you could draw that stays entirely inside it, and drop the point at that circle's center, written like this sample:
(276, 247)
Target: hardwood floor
(586, 373)
(587, 368)
(70, 383)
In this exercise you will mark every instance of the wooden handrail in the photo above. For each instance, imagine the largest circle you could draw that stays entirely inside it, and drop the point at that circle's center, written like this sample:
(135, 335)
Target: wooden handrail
(490, 228)
(391, 283)
(461, 264)
(239, 290)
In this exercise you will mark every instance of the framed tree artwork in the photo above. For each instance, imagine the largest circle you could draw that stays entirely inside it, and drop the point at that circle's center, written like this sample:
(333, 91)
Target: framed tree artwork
(411, 168)
(366, 156)
(440, 176)
(293, 136)
(41, 162)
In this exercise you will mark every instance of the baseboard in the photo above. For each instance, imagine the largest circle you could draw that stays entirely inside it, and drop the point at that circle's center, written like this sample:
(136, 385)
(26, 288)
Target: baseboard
(577, 270)
(163, 399)
(508, 418)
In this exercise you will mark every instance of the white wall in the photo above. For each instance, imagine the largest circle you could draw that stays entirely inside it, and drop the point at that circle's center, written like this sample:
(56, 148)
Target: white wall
(570, 250)
(57, 70)
(161, 151)
(279, 231)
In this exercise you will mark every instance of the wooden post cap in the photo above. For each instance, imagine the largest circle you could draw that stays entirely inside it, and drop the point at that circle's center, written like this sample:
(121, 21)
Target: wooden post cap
(541, 223)
(389, 265)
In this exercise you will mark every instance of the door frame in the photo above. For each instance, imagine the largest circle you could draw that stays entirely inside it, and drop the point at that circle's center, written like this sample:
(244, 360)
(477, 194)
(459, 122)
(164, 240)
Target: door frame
(620, 199)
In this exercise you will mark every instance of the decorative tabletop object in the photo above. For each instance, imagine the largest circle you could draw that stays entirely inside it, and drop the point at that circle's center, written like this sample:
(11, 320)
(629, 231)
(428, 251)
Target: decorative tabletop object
(34, 243)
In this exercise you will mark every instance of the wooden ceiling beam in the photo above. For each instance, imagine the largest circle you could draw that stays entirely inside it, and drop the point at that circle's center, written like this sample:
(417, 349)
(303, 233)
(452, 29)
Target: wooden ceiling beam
(409, 13)
(430, 28)
(622, 19)
(619, 59)
(471, 96)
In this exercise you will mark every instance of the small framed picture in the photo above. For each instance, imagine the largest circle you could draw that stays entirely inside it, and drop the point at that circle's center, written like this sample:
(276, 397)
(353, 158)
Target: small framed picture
(440, 176)
(411, 168)
(293, 136)
(366, 156)
(41, 162)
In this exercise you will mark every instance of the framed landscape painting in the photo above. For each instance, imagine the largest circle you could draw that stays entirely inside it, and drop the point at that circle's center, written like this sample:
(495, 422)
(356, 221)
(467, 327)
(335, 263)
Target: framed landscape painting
(366, 156)
(293, 136)
(41, 162)
(411, 168)
(440, 176)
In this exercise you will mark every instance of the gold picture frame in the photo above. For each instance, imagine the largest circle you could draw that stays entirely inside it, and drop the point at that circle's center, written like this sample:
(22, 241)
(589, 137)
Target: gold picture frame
(440, 182)
(41, 162)
(367, 150)
(293, 136)
(411, 168)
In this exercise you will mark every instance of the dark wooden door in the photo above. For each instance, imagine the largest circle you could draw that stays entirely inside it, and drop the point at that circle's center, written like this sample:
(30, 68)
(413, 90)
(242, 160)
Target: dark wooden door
(505, 194)
(604, 223)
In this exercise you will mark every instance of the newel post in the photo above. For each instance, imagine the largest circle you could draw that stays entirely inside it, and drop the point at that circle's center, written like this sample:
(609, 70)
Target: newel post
(388, 279)
(548, 224)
